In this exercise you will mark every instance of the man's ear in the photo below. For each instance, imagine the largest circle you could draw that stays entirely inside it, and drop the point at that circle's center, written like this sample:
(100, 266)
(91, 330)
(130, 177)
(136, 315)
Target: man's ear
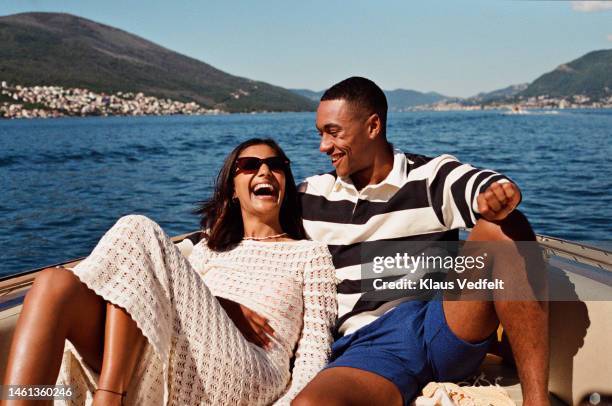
(374, 126)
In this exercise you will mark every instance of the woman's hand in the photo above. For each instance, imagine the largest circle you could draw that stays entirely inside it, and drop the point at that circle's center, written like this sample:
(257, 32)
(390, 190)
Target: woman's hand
(254, 328)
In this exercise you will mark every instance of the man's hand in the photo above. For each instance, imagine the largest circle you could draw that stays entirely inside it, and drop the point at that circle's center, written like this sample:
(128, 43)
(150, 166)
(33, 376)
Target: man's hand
(253, 327)
(498, 201)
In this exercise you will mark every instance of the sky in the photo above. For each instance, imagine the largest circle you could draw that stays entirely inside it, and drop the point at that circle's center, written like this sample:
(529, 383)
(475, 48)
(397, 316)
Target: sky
(457, 48)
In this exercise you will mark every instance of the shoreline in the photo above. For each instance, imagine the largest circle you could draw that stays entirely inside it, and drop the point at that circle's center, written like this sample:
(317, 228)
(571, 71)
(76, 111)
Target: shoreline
(56, 101)
(28, 102)
(501, 110)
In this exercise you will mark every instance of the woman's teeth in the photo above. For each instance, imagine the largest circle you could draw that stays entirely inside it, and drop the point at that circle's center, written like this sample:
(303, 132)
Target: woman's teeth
(264, 190)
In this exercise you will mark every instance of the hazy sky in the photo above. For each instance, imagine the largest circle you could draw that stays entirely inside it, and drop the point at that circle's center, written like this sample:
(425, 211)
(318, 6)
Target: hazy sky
(457, 48)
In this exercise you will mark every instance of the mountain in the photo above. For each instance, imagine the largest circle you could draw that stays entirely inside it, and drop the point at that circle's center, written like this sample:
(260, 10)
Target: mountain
(69, 51)
(505, 93)
(589, 75)
(398, 100)
(401, 99)
(309, 94)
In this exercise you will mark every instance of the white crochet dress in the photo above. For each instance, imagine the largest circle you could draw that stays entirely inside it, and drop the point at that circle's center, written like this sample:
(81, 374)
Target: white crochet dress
(195, 354)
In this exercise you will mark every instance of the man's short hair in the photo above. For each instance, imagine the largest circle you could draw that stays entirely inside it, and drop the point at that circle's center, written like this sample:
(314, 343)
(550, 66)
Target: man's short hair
(363, 93)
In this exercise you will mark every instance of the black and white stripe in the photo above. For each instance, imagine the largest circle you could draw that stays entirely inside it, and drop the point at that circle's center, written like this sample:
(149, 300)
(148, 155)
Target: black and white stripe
(422, 199)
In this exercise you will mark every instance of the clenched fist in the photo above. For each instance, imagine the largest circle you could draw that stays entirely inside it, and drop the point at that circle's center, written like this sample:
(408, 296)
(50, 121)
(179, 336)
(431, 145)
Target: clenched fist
(498, 201)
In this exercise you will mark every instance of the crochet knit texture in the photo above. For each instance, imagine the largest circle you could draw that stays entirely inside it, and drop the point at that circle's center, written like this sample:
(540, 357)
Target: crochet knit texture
(194, 353)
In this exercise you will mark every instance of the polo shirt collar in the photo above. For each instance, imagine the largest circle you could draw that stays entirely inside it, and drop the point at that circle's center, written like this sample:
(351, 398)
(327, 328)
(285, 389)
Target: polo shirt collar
(395, 178)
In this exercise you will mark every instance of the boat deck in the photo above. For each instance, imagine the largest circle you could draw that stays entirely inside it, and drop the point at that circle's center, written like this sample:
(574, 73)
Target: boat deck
(581, 362)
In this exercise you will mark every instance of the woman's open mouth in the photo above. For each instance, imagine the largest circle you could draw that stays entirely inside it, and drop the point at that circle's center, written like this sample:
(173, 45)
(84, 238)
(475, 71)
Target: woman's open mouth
(265, 191)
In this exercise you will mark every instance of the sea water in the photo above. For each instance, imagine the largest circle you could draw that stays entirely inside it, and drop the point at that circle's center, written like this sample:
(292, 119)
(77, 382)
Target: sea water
(63, 182)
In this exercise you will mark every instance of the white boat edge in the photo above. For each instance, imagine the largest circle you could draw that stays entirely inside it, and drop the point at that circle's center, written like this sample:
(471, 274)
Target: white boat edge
(578, 330)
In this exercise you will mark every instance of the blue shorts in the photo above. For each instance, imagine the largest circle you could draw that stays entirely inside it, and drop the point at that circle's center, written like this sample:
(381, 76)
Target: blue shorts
(410, 345)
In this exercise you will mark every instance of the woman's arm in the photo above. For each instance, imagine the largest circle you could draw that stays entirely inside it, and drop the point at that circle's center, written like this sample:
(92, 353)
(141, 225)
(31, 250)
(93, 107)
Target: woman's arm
(198, 257)
(253, 327)
(320, 311)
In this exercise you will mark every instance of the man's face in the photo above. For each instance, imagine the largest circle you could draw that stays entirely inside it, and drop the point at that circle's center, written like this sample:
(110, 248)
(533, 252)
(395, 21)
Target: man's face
(344, 131)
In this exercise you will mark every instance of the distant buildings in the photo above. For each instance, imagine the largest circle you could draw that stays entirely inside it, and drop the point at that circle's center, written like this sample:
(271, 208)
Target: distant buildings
(536, 102)
(54, 101)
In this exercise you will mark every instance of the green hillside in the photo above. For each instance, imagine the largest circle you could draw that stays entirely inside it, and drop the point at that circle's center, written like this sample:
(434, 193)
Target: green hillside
(64, 50)
(398, 99)
(589, 75)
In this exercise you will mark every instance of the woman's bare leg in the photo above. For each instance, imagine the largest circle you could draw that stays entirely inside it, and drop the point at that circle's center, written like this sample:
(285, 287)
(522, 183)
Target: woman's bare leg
(58, 306)
(123, 343)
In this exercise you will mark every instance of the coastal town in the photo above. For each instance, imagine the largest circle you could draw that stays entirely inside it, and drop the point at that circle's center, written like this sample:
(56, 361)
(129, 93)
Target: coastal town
(521, 104)
(18, 101)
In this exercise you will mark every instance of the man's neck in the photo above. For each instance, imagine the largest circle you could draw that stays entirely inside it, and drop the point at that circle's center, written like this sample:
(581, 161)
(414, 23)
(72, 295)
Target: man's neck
(382, 164)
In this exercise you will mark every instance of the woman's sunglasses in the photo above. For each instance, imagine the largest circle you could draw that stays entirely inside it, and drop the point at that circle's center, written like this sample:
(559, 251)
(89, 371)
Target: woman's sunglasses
(250, 164)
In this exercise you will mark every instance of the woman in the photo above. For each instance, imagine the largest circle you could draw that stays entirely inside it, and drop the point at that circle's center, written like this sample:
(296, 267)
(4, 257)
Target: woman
(148, 320)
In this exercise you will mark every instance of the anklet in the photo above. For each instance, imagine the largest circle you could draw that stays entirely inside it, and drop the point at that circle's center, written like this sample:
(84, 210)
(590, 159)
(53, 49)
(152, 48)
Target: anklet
(124, 394)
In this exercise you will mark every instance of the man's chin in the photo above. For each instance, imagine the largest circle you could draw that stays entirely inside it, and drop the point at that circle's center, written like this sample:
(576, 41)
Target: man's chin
(343, 171)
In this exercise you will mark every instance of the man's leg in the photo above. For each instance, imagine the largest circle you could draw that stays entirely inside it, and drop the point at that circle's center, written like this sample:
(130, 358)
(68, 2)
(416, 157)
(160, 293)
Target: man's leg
(383, 363)
(348, 386)
(525, 322)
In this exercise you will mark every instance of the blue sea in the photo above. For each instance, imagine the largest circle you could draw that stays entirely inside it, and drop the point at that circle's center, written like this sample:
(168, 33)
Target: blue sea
(63, 182)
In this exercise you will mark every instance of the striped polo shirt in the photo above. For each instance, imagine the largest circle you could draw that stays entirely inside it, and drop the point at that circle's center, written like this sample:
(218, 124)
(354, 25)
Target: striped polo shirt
(421, 199)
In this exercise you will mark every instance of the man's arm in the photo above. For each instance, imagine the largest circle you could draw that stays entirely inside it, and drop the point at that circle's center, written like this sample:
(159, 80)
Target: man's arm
(461, 193)
(498, 201)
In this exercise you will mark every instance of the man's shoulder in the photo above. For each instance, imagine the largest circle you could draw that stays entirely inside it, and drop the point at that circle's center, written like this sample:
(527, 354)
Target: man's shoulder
(423, 166)
(318, 184)
(417, 160)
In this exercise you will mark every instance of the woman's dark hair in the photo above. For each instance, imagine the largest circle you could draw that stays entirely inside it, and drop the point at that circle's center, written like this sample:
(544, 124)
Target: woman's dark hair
(221, 215)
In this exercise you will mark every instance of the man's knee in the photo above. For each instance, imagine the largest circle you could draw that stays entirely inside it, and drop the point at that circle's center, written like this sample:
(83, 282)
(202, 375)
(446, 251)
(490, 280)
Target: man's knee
(341, 386)
(315, 399)
(313, 396)
(515, 227)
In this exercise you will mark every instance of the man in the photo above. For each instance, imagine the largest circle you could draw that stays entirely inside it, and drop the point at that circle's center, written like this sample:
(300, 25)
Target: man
(384, 357)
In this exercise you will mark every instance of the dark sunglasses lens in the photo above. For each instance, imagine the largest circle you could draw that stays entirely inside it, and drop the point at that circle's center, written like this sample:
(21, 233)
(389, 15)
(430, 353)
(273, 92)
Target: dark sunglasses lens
(248, 163)
(252, 164)
(276, 163)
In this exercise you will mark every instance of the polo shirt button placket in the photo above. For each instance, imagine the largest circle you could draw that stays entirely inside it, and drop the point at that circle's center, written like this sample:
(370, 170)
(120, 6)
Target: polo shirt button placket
(359, 197)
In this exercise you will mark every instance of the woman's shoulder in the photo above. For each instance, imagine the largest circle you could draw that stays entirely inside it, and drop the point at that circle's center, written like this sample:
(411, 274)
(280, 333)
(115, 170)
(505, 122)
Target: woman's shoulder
(298, 248)
(199, 243)
(315, 249)
(319, 247)
(319, 261)
(309, 245)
